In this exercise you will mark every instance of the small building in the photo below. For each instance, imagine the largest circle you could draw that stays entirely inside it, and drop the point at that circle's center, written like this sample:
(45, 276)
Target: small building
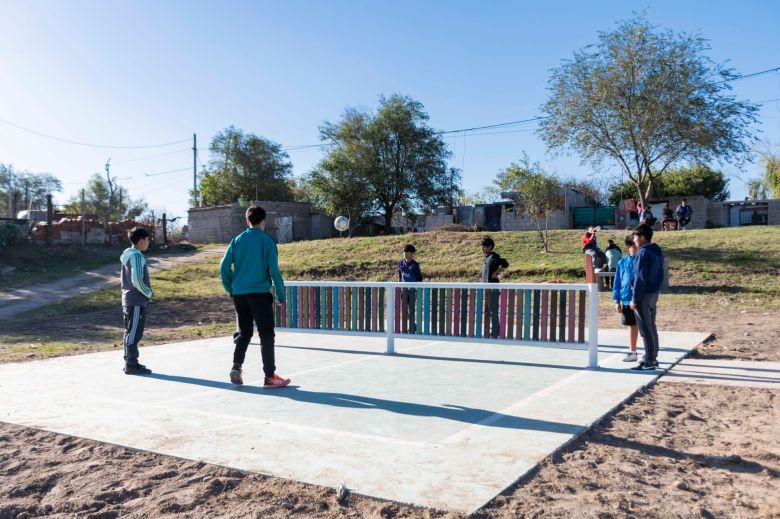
(287, 221)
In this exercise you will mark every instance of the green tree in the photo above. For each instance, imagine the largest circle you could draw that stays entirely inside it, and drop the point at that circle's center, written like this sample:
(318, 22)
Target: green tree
(337, 192)
(26, 189)
(539, 193)
(646, 99)
(109, 207)
(699, 179)
(394, 155)
(245, 166)
(772, 173)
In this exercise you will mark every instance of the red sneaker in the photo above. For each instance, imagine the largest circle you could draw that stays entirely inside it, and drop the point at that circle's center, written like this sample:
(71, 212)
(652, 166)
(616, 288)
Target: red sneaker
(275, 382)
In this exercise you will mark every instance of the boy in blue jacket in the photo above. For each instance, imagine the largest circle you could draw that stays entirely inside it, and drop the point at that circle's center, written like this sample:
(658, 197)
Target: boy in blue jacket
(622, 294)
(648, 276)
(251, 262)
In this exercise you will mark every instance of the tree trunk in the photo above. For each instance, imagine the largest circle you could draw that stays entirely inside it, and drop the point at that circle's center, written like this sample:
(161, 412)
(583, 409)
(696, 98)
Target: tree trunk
(541, 234)
(388, 220)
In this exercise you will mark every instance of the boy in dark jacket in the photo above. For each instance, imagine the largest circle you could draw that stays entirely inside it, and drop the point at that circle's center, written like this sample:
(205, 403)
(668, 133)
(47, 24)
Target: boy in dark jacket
(409, 272)
(250, 265)
(492, 267)
(648, 276)
(136, 293)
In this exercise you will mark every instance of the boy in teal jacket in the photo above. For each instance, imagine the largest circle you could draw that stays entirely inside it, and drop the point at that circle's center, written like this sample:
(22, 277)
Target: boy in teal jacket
(622, 294)
(250, 264)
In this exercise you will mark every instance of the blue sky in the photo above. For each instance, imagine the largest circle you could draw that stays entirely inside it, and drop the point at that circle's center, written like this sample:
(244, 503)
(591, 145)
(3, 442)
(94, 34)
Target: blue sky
(148, 72)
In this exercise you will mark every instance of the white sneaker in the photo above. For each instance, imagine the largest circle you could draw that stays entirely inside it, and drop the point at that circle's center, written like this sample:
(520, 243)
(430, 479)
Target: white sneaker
(630, 357)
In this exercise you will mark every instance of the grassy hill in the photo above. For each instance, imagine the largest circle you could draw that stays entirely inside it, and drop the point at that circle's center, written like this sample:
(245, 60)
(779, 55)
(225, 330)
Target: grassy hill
(724, 270)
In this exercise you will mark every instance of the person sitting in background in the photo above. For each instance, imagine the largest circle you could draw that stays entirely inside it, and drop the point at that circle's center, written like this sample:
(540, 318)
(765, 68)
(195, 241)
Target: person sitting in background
(590, 237)
(647, 217)
(669, 222)
(613, 254)
(597, 256)
(684, 214)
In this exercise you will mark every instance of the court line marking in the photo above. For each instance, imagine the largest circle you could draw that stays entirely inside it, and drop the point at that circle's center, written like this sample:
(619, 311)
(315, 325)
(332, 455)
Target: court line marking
(500, 415)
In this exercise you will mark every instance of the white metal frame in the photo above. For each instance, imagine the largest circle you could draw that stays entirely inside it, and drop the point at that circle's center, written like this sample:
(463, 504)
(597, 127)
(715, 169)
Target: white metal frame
(390, 333)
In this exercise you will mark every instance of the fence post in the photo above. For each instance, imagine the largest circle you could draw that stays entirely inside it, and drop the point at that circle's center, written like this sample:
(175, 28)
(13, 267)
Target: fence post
(390, 320)
(593, 325)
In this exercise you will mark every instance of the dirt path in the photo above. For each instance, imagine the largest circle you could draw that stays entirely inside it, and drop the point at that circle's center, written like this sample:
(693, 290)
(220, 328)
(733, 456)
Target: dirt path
(16, 301)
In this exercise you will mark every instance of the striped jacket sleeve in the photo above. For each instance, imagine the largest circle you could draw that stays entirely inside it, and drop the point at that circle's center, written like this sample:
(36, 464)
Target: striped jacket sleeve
(137, 264)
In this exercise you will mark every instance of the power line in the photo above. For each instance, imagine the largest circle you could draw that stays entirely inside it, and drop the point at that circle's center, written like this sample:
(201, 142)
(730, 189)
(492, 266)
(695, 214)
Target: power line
(168, 172)
(153, 156)
(90, 145)
(752, 74)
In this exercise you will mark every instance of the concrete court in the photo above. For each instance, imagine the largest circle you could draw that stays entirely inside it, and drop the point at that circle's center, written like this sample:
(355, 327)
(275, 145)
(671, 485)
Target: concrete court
(441, 424)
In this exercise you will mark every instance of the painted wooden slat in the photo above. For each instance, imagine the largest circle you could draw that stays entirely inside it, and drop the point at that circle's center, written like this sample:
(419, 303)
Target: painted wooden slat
(404, 310)
(562, 317)
(480, 310)
(448, 311)
(510, 314)
(519, 315)
(434, 310)
(544, 314)
(464, 310)
(572, 302)
(487, 300)
(553, 313)
(527, 315)
(328, 307)
(426, 310)
(581, 316)
(472, 313)
(361, 308)
(442, 316)
(382, 300)
(502, 315)
(397, 294)
(418, 313)
(368, 309)
(456, 317)
(375, 305)
(348, 308)
(324, 307)
(536, 315)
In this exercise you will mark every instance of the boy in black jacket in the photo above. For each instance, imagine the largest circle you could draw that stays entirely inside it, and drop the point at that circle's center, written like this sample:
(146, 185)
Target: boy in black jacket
(492, 267)
(648, 277)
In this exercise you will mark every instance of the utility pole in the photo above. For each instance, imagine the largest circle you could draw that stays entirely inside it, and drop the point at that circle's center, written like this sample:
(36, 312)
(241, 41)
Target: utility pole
(83, 219)
(10, 172)
(165, 228)
(49, 219)
(107, 214)
(195, 169)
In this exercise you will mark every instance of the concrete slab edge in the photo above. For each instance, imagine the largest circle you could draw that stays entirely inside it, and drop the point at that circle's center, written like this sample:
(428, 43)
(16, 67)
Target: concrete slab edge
(528, 474)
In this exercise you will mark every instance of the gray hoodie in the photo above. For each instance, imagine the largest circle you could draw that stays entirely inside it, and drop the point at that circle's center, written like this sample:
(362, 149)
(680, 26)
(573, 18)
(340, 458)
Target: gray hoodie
(136, 289)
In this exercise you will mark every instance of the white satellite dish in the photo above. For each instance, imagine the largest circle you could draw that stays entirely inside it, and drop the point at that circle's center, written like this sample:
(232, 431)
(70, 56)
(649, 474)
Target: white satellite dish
(341, 223)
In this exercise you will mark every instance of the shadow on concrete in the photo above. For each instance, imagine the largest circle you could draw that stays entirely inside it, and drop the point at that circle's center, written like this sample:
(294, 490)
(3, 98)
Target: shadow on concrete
(467, 360)
(452, 412)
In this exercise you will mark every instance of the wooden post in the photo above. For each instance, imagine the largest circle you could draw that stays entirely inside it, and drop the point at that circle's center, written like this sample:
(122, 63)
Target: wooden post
(49, 218)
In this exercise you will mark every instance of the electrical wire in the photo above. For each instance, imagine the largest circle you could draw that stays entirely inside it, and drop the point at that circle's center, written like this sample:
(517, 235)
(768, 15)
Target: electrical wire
(78, 143)
(153, 156)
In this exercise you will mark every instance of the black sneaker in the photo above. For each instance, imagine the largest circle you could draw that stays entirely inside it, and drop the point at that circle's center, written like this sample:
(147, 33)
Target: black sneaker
(639, 367)
(136, 369)
(236, 375)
